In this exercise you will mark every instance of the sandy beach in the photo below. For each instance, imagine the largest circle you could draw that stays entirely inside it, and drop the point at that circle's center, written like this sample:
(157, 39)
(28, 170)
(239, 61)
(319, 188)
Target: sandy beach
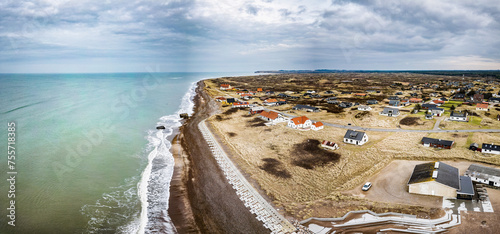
(201, 200)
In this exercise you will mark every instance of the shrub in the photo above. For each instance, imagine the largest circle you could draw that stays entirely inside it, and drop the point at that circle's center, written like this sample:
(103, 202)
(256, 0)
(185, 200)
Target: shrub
(275, 167)
(309, 155)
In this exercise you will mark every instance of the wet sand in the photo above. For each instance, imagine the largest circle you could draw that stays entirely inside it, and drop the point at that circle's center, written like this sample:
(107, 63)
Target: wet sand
(199, 185)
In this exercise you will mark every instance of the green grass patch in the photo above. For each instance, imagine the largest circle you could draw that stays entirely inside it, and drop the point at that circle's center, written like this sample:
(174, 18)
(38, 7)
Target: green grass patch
(469, 139)
(475, 120)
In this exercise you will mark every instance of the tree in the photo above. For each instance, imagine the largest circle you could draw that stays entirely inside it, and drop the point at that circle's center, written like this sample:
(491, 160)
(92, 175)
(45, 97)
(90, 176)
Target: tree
(452, 108)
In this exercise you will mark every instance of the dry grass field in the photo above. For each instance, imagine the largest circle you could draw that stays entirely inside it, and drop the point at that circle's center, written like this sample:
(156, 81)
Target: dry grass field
(309, 181)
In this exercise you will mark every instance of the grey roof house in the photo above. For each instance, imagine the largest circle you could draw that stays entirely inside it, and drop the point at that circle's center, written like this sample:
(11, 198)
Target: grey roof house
(355, 137)
(391, 112)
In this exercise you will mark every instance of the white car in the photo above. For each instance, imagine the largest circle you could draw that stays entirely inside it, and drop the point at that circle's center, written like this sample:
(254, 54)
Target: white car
(367, 186)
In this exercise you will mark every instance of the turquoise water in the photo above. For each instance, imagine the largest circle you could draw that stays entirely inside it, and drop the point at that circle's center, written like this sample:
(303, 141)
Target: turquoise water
(87, 148)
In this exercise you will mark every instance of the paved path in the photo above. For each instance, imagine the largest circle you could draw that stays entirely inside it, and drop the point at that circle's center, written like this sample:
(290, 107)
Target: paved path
(438, 121)
(265, 213)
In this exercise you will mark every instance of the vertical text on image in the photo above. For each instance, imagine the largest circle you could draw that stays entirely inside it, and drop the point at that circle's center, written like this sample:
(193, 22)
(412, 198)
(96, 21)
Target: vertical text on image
(11, 172)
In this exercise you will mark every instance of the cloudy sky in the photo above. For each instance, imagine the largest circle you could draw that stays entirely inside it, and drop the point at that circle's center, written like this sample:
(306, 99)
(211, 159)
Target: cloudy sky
(239, 35)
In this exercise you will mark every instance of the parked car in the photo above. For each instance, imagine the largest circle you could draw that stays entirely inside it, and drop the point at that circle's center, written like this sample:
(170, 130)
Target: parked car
(367, 186)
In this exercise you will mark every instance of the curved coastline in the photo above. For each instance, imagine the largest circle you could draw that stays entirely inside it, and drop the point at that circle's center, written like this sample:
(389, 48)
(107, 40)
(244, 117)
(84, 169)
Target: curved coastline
(201, 199)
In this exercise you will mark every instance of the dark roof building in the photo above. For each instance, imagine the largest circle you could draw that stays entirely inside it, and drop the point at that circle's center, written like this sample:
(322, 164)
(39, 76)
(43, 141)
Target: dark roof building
(355, 137)
(437, 143)
(438, 179)
(306, 108)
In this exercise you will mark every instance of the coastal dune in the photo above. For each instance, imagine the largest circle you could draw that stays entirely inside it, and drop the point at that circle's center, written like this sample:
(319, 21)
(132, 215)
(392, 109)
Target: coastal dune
(214, 204)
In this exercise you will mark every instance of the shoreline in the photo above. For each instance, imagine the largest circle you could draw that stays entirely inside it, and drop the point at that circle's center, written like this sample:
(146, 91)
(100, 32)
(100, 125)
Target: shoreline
(201, 200)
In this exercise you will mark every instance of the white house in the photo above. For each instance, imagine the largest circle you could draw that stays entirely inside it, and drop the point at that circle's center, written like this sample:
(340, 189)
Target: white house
(391, 112)
(271, 116)
(437, 111)
(300, 122)
(364, 108)
(317, 126)
(482, 107)
(225, 86)
(355, 137)
(490, 149)
(458, 116)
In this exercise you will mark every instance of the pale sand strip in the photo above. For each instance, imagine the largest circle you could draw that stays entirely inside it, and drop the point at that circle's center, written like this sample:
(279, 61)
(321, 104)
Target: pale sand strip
(264, 212)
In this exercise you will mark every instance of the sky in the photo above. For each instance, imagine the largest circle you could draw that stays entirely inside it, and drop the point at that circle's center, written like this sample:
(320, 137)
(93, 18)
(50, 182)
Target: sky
(62, 36)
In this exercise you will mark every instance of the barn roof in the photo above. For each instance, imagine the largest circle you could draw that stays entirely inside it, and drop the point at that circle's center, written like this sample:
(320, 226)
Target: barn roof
(446, 174)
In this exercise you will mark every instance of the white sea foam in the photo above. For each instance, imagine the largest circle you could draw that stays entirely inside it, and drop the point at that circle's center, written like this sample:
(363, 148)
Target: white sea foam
(154, 186)
(152, 189)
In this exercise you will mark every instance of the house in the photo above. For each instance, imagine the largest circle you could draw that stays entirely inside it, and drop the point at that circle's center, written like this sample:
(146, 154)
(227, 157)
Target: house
(306, 108)
(333, 102)
(437, 143)
(317, 126)
(395, 103)
(439, 179)
(485, 175)
(270, 102)
(300, 122)
(458, 116)
(259, 89)
(345, 92)
(283, 95)
(271, 116)
(474, 147)
(372, 102)
(220, 99)
(437, 111)
(364, 108)
(355, 137)
(404, 102)
(393, 98)
(240, 105)
(329, 145)
(225, 87)
(269, 92)
(310, 91)
(360, 94)
(429, 116)
(391, 112)
(428, 106)
(399, 93)
(459, 96)
(437, 102)
(444, 99)
(256, 110)
(490, 148)
(345, 104)
(478, 97)
(229, 101)
(482, 107)
(246, 95)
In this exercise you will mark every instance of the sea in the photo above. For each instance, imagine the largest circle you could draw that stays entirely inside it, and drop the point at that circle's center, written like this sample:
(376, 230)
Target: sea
(88, 156)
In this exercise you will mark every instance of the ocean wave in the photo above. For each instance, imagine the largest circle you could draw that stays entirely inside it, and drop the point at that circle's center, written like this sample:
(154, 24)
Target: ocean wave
(154, 186)
(141, 203)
